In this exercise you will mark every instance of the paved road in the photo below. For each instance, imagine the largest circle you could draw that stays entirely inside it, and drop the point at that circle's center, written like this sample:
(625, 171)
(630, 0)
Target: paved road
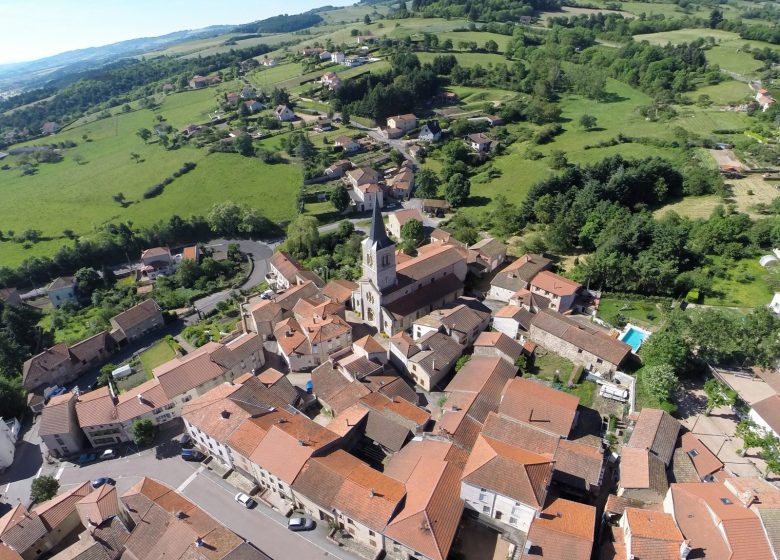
(16, 481)
(262, 526)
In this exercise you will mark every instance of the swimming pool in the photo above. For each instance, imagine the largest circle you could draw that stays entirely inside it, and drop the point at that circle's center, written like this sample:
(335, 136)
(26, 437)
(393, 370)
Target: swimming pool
(634, 337)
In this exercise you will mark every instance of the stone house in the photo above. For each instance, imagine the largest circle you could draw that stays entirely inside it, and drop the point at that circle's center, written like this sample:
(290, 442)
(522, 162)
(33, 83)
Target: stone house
(404, 123)
(561, 291)
(427, 360)
(517, 276)
(136, 322)
(61, 363)
(59, 428)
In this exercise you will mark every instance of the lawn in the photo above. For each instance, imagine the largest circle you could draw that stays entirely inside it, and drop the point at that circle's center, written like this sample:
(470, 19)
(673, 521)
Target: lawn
(549, 365)
(468, 58)
(81, 325)
(479, 37)
(747, 284)
(692, 206)
(730, 91)
(646, 314)
(69, 195)
(156, 355)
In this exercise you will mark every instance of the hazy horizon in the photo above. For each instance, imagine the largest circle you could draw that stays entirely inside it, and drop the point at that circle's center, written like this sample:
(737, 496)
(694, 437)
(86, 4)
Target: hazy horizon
(53, 27)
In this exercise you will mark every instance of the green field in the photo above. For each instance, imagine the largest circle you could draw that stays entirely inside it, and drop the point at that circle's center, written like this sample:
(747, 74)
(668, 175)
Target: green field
(747, 284)
(68, 195)
(646, 314)
(730, 91)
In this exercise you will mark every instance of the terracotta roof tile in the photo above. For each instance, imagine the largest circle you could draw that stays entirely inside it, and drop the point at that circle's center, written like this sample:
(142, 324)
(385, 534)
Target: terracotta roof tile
(541, 406)
(501, 342)
(657, 431)
(57, 415)
(129, 406)
(640, 469)
(704, 461)
(579, 465)
(563, 530)
(555, 284)
(286, 265)
(654, 535)
(96, 408)
(769, 410)
(20, 529)
(339, 290)
(370, 345)
(137, 314)
(54, 511)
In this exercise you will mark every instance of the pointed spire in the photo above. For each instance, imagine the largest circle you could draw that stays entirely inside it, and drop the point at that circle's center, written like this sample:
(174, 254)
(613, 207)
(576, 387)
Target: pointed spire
(377, 235)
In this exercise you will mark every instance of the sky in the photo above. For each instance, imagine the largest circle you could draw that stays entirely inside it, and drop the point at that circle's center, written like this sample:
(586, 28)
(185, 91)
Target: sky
(35, 29)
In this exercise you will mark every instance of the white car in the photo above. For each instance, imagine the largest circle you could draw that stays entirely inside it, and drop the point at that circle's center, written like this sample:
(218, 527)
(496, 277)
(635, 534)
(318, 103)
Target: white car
(268, 294)
(108, 454)
(245, 500)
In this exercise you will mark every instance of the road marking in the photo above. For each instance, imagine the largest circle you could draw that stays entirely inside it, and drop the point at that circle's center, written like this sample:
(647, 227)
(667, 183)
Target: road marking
(190, 478)
(59, 473)
(7, 487)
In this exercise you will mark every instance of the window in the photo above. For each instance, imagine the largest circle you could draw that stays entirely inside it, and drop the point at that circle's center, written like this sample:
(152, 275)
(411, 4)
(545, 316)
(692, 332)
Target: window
(371, 533)
(350, 522)
(485, 509)
(579, 350)
(693, 453)
(372, 543)
(599, 361)
(482, 497)
(512, 521)
(726, 501)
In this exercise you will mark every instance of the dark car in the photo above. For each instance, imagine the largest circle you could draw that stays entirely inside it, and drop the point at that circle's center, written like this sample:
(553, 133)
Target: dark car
(192, 455)
(98, 482)
(85, 458)
(185, 441)
(300, 524)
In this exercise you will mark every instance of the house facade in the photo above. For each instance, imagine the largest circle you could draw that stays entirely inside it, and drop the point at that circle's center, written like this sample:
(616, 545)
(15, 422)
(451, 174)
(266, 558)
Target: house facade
(59, 429)
(284, 113)
(61, 290)
(137, 321)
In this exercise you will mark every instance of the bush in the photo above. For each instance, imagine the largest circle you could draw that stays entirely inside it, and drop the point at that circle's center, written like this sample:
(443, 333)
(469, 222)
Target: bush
(154, 191)
(143, 431)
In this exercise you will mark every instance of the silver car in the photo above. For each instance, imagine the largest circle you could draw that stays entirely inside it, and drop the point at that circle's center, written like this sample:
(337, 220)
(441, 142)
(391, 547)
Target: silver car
(300, 524)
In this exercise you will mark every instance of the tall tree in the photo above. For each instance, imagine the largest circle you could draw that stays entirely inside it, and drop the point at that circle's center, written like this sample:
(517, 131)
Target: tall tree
(718, 394)
(303, 237)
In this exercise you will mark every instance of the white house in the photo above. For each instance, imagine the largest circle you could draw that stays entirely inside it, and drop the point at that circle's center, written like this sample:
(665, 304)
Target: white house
(347, 144)
(396, 220)
(284, 113)
(9, 433)
(338, 57)
(366, 196)
(766, 414)
(62, 289)
(404, 122)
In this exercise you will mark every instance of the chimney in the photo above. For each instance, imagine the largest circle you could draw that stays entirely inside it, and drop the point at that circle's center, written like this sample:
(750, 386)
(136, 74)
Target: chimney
(141, 399)
(199, 542)
(685, 550)
(527, 546)
(179, 515)
(225, 414)
(289, 332)
(371, 493)
(301, 443)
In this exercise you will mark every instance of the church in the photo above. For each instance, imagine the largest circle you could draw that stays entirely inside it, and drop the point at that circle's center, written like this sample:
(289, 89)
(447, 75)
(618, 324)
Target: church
(397, 289)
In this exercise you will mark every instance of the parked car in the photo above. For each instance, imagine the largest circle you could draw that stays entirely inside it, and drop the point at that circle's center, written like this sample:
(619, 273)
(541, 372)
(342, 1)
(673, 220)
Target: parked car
(192, 455)
(268, 294)
(300, 524)
(245, 500)
(98, 482)
(185, 441)
(108, 454)
(85, 458)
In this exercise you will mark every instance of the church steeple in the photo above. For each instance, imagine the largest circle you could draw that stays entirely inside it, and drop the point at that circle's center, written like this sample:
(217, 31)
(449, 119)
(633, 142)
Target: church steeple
(379, 254)
(377, 236)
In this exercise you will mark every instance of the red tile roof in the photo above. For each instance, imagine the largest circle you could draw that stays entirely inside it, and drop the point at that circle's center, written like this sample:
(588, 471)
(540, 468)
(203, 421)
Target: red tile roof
(555, 284)
(657, 431)
(541, 406)
(563, 530)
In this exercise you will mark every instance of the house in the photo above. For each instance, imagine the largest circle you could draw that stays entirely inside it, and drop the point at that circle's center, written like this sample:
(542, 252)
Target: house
(430, 132)
(310, 51)
(578, 342)
(505, 483)
(347, 144)
(323, 125)
(392, 422)
(307, 343)
(352, 62)
(62, 289)
(479, 142)
(462, 320)
(248, 93)
(494, 120)
(340, 291)
(284, 113)
(426, 525)
(233, 98)
(404, 123)
(136, 322)
(198, 81)
(774, 305)
(338, 57)
(497, 344)
(59, 428)
(513, 321)
(435, 207)
(718, 520)
(489, 253)
(290, 297)
(325, 55)
(655, 431)
(10, 296)
(213, 417)
(693, 454)
(338, 168)
(362, 176)
(9, 435)
(61, 363)
(529, 301)
(766, 414)
(365, 39)
(269, 62)
(396, 220)
(401, 184)
(340, 489)
(50, 128)
(191, 130)
(366, 196)
(331, 81)
(517, 276)
(447, 97)
(392, 295)
(157, 261)
(261, 317)
(98, 418)
(764, 99)
(273, 448)
(540, 406)
(285, 272)
(643, 533)
(427, 360)
(254, 106)
(561, 291)
(564, 529)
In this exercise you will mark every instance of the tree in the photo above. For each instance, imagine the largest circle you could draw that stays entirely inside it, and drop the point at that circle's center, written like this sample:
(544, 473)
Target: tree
(13, 397)
(119, 198)
(558, 159)
(666, 347)
(660, 381)
(243, 144)
(457, 190)
(225, 218)
(44, 488)
(412, 233)
(87, 281)
(144, 134)
(750, 435)
(303, 237)
(397, 157)
(79, 159)
(718, 394)
(716, 18)
(339, 197)
(491, 46)
(143, 431)
(426, 184)
(588, 122)
(367, 19)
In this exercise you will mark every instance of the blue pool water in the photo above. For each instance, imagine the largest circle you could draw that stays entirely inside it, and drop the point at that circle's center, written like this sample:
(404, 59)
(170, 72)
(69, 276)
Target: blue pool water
(634, 338)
